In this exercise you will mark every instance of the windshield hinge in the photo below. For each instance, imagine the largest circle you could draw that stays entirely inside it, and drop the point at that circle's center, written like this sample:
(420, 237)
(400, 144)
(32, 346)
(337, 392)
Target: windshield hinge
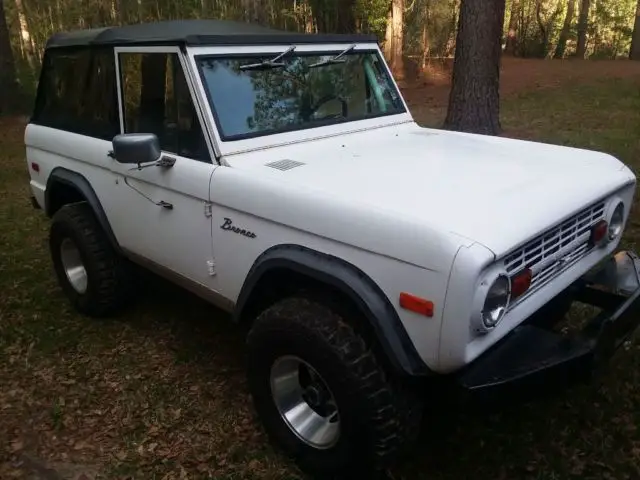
(207, 210)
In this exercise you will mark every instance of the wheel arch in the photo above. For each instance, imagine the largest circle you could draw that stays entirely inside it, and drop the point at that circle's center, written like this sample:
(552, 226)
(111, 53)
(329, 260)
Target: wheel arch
(286, 268)
(65, 186)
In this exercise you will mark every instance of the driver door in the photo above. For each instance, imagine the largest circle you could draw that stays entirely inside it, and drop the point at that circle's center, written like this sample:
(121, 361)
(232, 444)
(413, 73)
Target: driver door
(162, 216)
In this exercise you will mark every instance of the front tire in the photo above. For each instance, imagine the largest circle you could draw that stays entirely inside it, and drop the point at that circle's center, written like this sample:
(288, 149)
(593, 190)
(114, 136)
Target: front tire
(91, 274)
(321, 394)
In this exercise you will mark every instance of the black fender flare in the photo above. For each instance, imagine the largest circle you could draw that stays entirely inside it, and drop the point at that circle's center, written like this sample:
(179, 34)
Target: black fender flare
(69, 178)
(354, 283)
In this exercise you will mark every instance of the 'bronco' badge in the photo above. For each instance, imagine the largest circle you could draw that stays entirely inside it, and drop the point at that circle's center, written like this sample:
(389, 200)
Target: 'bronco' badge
(228, 225)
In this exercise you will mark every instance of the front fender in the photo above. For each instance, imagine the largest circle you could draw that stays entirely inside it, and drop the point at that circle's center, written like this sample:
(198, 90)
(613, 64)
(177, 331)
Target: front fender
(349, 280)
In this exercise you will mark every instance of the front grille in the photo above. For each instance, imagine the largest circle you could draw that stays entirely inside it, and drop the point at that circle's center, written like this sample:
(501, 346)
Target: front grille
(555, 250)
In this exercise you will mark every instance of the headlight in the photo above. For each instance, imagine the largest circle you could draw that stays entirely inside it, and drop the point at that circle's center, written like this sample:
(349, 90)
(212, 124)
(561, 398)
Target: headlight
(496, 301)
(615, 224)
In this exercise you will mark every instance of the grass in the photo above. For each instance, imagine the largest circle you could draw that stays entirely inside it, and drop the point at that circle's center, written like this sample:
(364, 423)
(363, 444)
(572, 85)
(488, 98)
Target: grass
(160, 392)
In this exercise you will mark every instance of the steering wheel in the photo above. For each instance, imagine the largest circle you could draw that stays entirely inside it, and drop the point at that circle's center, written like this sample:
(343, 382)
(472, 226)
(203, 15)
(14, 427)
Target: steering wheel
(328, 98)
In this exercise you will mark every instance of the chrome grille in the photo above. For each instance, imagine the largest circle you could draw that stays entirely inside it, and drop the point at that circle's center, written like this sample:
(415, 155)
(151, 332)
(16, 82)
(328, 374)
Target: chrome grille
(555, 250)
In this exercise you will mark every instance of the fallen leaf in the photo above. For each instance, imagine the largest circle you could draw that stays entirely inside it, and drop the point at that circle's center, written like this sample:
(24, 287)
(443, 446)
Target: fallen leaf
(17, 445)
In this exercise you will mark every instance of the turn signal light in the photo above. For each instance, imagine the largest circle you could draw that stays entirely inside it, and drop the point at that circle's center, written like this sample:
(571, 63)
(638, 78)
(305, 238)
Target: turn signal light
(416, 304)
(521, 283)
(599, 232)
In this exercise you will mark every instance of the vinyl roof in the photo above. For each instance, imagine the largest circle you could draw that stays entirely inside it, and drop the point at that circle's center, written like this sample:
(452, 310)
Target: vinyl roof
(194, 32)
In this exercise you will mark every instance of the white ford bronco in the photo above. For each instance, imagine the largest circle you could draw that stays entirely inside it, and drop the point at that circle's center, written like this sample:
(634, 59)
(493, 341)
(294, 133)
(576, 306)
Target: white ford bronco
(281, 177)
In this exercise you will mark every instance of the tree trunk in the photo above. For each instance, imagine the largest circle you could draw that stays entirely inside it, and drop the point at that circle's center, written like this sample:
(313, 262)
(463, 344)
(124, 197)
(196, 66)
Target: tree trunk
(346, 16)
(566, 30)
(544, 32)
(635, 42)
(583, 24)
(388, 37)
(474, 102)
(512, 35)
(425, 46)
(25, 34)
(10, 94)
(397, 48)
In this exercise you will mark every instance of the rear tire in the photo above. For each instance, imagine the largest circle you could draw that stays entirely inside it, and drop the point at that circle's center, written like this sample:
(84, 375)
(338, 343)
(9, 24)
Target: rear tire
(376, 419)
(91, 274)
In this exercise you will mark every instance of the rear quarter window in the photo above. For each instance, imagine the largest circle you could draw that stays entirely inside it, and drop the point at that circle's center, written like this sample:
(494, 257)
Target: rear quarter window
(77, 92)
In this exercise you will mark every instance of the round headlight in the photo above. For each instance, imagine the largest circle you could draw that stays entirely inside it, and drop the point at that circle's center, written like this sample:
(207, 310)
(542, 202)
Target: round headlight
(496, 302)
(615, 224)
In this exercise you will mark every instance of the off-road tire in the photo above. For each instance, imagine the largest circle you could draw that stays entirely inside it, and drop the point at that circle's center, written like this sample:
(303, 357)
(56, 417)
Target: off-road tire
(108, 277)
(379, 419)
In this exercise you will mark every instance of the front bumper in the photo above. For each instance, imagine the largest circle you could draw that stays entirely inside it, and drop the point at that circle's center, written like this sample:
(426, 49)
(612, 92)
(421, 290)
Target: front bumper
(533, 359)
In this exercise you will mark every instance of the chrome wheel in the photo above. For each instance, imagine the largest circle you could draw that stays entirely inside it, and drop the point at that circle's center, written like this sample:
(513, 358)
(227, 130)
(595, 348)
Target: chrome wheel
(73, 266)
(305, 402)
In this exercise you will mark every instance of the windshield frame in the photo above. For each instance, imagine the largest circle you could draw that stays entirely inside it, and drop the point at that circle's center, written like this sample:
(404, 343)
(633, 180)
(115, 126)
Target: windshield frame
(261, 53)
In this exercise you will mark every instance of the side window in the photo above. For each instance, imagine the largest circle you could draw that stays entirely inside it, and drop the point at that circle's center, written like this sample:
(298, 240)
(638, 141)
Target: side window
(156, 99)
(78, 92)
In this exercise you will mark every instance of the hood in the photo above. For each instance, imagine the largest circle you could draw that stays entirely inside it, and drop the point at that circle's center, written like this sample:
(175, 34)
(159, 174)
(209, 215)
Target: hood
(496, 191)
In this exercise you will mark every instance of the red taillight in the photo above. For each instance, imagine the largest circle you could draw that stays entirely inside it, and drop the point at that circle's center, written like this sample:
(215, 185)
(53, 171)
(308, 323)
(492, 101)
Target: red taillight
(599, 231)
(520, 283)
(35, 167)
(416, 304)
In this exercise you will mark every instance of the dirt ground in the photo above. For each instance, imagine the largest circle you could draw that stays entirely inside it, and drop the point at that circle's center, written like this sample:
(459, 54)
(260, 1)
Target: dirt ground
(427, 93)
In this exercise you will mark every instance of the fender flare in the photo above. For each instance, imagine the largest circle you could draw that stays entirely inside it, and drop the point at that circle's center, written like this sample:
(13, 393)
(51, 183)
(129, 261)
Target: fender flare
(69, 178)
(354, 283)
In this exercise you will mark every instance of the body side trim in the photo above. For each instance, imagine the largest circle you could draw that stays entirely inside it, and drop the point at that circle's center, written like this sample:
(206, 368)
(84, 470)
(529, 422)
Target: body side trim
(202, 291)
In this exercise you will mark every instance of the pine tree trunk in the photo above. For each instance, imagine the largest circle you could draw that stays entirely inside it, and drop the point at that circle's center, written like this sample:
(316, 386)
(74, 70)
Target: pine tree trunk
(566, 30)
(388, 37)
(512, 35)
(346, 16)
(397, 54)
(544, 31)
(583, 24)
(25, 33)
(474, 102)
(10, 94)
(425, 46)
(635, 42)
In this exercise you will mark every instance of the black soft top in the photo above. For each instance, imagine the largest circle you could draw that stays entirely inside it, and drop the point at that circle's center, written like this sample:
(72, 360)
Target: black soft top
(194, 32)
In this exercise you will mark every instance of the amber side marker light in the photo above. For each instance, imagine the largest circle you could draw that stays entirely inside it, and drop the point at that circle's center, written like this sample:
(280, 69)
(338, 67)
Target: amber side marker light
(415, 304)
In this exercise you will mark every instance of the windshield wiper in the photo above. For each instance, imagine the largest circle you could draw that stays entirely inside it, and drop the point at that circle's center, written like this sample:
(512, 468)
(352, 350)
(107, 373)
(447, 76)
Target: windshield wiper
(269, 64)
(334, 60)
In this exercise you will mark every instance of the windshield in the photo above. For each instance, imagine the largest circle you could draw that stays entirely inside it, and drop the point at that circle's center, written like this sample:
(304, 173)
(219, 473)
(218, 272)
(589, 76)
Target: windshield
(271, 93)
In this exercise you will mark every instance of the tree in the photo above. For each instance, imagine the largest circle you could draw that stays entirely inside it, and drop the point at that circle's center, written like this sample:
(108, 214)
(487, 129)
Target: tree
(635, 42)
(583, 25)
(9, 88)
(512, 34)
(336, 16)
(474, 101)
(394, 41)
(26, 42)
(566, 30)
(546, 23)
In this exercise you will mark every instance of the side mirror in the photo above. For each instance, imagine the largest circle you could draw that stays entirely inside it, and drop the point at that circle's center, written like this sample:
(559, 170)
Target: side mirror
(136, 148)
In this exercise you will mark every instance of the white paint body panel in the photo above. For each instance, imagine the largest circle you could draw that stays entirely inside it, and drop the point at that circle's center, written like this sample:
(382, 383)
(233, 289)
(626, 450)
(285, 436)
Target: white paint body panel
(498, 192)
(417, 210)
